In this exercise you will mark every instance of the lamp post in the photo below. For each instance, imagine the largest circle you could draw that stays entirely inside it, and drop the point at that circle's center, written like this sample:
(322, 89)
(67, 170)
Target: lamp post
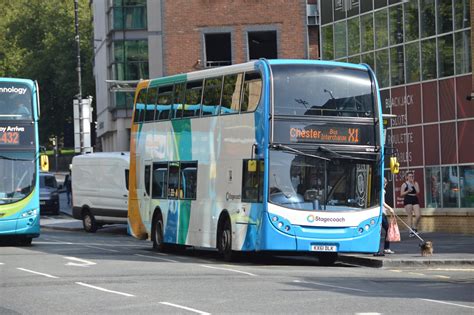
(78, 69)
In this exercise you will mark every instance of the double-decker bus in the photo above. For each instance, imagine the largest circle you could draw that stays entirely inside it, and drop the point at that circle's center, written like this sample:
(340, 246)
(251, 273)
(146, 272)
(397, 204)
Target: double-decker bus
(269, 155)
(19, 162)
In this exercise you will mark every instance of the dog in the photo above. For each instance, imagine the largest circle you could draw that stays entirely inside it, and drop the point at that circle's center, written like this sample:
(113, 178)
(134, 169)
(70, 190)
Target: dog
(426, 248)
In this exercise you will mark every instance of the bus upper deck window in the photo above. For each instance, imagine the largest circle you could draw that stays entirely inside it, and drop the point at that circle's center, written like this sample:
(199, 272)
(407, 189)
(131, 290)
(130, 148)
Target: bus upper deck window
(140, 106)
(192, 106)
(212, 96)
(150, 106)
(251, 92)
(178, 100)
(231, 94)
(165, 99)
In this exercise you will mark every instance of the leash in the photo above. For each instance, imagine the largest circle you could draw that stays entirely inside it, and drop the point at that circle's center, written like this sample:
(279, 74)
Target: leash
(416, 234)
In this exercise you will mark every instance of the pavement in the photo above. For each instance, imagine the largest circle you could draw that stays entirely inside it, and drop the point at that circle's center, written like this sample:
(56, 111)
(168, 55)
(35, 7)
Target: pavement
(449, 249)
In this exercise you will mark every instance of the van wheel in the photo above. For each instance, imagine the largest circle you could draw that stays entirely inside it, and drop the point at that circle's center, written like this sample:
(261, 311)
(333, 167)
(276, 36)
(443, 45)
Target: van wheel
(157, 236)
(89, 223)
(224, 241)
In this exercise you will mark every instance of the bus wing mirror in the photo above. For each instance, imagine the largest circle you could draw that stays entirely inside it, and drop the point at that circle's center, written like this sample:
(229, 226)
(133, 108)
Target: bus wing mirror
(44, 163)
(252, 166)
(394, 165)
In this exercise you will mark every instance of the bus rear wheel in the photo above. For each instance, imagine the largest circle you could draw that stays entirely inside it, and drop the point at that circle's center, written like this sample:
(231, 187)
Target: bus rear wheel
(327, 259)
(224, 241)
(89, 223)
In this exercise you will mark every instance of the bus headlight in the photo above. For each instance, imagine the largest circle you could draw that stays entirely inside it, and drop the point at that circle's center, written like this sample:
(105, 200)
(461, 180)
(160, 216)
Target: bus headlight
(361, 230)
(367, 227)
(372, 222)
(29, 213)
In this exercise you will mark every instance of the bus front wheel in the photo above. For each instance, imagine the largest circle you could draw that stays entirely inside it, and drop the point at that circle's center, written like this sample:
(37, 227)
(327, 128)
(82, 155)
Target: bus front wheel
(157, 235)
(224, 241)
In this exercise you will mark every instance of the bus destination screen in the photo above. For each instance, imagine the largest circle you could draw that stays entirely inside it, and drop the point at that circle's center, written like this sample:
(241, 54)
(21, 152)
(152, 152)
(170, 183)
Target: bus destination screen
(16, 136)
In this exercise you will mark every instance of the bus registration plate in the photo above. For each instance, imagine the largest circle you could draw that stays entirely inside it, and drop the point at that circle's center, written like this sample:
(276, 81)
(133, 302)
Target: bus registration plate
(323, 248)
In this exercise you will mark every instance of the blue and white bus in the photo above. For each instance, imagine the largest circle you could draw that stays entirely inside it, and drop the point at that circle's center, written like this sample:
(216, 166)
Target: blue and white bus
(19, 162)
(269, 155)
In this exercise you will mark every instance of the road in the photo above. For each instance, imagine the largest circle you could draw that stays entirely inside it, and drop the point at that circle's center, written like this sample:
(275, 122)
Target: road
(75, 272)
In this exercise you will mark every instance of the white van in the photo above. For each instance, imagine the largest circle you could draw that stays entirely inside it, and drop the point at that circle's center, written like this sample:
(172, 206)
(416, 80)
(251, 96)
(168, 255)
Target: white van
(100, 188)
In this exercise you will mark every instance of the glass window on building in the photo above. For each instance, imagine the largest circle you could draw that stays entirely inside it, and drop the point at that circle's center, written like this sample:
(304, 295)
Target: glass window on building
(445, 56)
(450, 187)
(368, 59)
(412, 62)
(411, 20)
(124, 100)
(353, 33)
(462, 42)
(326, 12)
(466, 178)
(396, 25)
(427, 22)
(397, 72)
(433, 187)
(131, 59)
(462, 17)
(340, 40)
(381, 25)
(428, 59)
(129, 14)
(382, 68)
(367, 32)
(354, 59)
(328, 42)
(445, 16)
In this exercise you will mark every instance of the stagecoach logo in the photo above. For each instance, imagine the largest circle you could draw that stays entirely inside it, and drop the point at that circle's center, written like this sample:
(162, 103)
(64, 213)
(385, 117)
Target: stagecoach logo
(314, 218)
(13, 90)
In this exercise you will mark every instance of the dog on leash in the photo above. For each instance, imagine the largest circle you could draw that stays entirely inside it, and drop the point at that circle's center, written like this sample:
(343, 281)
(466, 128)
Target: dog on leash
(426, 248)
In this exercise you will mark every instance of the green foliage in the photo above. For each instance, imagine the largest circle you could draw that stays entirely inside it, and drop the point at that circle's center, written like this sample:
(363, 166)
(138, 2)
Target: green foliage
(37, 41)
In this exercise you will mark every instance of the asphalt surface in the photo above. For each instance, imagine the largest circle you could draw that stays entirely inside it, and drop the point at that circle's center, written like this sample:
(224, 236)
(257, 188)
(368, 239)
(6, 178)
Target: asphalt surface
(449, 249)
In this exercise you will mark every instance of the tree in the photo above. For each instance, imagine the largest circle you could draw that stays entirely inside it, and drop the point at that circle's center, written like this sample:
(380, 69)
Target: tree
(37, 42)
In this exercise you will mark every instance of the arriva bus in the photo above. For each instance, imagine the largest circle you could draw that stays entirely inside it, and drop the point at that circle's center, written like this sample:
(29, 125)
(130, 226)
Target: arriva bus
(19, 162)
(269, 155)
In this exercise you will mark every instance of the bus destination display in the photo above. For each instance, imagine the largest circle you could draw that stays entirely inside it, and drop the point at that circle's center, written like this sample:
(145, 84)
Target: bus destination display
(15, 135)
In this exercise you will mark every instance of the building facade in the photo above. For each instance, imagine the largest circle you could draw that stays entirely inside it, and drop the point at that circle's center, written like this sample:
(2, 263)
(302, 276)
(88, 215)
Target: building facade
(141, 39)
(420, 51)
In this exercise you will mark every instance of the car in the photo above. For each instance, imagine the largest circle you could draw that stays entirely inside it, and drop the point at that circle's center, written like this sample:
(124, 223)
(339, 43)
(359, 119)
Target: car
(49, 194)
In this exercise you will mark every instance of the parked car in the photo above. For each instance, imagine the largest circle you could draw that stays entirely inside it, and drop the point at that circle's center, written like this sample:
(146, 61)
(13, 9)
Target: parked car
(49, 194)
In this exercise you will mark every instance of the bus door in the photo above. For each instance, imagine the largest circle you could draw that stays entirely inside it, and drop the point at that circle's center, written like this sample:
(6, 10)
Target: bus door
(145, 205)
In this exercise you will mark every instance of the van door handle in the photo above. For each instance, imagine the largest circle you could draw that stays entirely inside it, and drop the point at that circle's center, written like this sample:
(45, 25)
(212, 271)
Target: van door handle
(125, 195)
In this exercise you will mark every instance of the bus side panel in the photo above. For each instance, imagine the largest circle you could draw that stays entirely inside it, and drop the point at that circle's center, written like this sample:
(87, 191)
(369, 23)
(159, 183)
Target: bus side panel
(16, 221)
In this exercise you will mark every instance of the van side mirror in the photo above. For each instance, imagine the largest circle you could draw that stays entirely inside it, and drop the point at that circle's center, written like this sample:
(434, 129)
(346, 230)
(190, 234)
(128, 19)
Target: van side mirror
(394, 165)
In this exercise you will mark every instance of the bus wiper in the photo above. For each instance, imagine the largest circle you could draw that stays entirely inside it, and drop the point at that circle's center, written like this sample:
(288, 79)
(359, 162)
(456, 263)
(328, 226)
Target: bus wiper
(342, 156)
(2, 157)
(290, 149)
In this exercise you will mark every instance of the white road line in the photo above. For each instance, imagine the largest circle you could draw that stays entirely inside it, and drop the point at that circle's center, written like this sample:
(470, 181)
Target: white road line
(442, 277)
(38, 273)
(53, 242)
(448, 303)
(330, 286)
(82, 262)
(159, 258)
(105, 290)
(229, 269)
(2, 263)
(101, 248)
(185, 308)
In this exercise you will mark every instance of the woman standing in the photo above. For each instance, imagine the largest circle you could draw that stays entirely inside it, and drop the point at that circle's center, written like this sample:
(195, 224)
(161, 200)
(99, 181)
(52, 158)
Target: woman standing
(409, 191)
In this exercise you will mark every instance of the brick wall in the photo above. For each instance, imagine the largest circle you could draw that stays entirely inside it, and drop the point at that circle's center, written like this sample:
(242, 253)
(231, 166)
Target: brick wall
(442, 223)
(185, 20)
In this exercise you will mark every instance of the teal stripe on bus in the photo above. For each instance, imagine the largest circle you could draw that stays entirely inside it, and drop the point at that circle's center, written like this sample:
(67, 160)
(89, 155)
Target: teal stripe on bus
(183, 139)
(168, 80)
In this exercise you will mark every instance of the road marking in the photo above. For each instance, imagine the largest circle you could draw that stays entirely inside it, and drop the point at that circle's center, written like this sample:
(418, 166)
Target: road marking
(82, 262)
(53, 242)
(2, 263)
(38, 273)
(448, 303)
(159, 258)
(417, 274)
(451, 269)
(330, 286)
(229, 269)
(442, 277)
(101, 248)
(102, 289)
(370, 313)
(185, 308)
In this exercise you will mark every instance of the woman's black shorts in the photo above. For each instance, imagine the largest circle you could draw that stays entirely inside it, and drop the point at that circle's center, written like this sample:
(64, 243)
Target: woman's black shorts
(410, 200)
